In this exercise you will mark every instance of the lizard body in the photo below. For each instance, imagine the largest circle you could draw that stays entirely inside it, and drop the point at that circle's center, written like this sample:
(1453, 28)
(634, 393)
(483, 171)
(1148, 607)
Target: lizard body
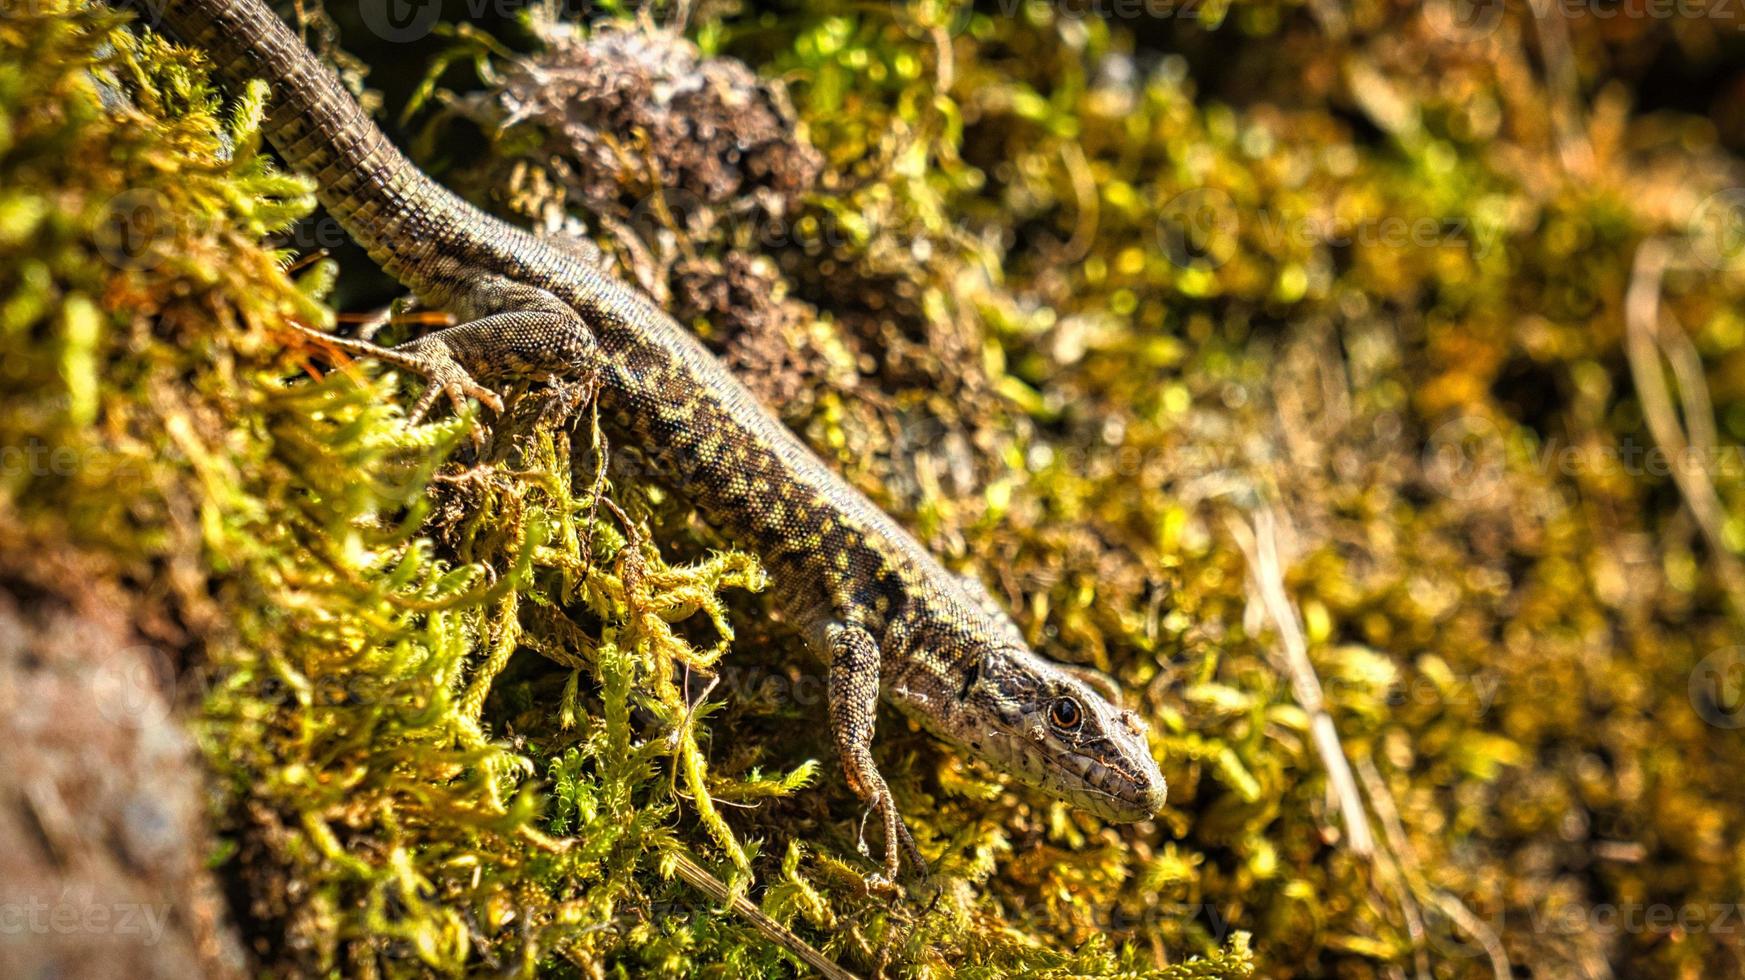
(883, 613)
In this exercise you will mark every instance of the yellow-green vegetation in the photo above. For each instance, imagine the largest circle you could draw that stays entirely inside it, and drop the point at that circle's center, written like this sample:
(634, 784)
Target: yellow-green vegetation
(1302, 367)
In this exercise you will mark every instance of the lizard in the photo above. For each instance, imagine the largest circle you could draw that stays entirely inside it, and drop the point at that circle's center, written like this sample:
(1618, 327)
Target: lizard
(883, 613)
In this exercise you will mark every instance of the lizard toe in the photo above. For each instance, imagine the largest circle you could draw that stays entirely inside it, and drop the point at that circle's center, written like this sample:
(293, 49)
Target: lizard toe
(425, 403)
(447, 379)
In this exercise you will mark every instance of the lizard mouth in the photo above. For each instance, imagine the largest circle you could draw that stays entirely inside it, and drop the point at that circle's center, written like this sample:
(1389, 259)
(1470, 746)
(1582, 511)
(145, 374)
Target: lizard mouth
(1112, 791)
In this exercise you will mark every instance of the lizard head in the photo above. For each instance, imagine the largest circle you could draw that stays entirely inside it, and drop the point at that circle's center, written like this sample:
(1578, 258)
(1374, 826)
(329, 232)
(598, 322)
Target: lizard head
(1049, 728)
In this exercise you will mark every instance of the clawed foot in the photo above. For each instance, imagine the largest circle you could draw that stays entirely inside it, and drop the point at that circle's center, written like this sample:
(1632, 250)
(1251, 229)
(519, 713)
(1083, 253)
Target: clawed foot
(887, 883)
(435, 363)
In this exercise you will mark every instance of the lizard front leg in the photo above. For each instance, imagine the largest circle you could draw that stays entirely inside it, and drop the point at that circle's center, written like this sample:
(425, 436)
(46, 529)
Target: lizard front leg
(854, 698)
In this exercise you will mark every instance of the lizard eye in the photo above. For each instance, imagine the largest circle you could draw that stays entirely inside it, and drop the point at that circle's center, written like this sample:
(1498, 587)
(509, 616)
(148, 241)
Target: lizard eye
(1066, 715)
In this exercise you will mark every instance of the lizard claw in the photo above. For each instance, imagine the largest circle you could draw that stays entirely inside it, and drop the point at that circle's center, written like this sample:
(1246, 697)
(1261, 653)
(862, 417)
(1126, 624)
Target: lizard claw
(431, 359)
(888, 882)
(447, 378)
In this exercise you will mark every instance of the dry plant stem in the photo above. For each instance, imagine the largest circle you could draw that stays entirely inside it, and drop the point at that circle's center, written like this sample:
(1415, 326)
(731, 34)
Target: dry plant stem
(1644, 344)
(1331, 17)
(1382, 799)
(774, 931)
(1259, 545)
(1553, 30)
(1088, 213)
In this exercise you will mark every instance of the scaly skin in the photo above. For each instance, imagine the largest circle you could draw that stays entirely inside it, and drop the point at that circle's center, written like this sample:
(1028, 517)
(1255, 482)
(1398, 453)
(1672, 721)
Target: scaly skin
(881, 611)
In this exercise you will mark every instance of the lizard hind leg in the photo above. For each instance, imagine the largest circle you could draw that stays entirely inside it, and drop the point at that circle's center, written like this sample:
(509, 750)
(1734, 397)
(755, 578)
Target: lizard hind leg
(536, 344)
(854, 696)
(512, 330)
(518, 332)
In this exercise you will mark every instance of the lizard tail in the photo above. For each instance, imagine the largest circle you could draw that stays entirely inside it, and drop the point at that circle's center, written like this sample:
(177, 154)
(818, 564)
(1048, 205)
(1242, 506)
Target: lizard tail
(406, 221)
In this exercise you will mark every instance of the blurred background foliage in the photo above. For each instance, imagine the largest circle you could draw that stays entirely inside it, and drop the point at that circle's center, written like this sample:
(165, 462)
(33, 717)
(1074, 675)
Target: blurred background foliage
(1363, 386)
